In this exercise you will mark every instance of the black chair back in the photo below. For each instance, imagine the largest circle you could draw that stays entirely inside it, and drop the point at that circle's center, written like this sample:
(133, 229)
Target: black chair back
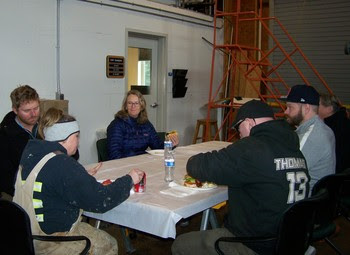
(102, 153)
(15, 229)
(161, 135)
(295, 228)
(297, 224)
(324, 224)
(345, 197)
(334, 184)
(16, 232)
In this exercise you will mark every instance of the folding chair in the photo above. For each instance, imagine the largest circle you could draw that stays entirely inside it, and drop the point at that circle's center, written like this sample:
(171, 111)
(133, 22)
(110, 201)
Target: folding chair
(324, 224)
(295, 228)
(16, 232)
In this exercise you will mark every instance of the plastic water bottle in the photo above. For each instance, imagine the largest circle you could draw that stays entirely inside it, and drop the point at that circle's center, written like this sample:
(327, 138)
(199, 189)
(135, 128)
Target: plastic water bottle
(169, 161)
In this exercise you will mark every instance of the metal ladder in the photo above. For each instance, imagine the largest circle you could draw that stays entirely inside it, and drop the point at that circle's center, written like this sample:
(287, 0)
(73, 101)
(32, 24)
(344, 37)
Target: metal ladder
(251, 65)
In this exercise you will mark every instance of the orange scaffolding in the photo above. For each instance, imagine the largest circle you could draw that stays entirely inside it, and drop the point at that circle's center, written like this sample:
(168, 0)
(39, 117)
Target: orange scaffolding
(251, 65)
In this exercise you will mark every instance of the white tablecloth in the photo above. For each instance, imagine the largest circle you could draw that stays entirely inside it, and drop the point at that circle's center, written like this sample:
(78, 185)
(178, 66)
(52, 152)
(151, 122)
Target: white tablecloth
(160, 207)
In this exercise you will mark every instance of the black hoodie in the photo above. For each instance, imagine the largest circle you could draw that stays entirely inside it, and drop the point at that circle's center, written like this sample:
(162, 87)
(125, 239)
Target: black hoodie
(66, 187)
(258, 171)
(13, 139)
(340, 124)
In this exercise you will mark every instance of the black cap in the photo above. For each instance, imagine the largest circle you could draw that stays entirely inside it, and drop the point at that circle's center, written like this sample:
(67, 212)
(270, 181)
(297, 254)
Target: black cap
(252, 109)
(303, 94)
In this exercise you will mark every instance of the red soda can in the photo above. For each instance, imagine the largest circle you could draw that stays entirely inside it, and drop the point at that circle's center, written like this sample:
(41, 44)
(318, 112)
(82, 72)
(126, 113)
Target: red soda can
(141, 186)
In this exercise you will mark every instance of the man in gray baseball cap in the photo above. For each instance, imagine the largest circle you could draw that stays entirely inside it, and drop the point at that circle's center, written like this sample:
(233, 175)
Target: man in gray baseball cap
(317, 140)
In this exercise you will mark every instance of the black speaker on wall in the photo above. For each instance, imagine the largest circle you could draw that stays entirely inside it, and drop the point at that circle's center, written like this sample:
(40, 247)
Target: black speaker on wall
(179, 82)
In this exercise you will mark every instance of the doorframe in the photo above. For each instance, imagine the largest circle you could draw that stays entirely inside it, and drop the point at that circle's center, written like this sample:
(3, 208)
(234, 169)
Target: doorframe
(162, 66)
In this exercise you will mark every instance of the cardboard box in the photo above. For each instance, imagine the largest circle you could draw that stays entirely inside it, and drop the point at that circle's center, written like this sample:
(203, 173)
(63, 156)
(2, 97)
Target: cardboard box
(45, 104)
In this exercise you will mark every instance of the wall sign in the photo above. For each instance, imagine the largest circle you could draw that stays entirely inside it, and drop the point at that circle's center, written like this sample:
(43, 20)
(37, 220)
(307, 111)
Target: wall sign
(115, 66)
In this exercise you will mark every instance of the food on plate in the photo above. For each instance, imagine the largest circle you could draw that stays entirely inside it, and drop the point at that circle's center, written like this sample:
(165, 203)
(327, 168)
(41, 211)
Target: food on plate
(106, 182)
(191, 182)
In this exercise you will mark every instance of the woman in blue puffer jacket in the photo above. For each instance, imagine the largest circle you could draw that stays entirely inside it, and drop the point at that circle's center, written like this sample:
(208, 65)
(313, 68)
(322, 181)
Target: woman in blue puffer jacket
(131, 133)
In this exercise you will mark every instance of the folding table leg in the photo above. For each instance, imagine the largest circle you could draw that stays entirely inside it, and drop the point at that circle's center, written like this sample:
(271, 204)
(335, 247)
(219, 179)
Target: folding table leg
(97, 224)
(212, 219)
(209, 216)
(205, 219)
(128, 245)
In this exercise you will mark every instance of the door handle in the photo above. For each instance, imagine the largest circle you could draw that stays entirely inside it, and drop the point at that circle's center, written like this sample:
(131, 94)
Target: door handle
(154, 105)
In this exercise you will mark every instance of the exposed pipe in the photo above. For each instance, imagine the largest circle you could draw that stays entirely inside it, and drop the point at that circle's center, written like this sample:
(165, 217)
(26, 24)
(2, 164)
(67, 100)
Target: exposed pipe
(131, 7)
(58, 53)
(165, 8)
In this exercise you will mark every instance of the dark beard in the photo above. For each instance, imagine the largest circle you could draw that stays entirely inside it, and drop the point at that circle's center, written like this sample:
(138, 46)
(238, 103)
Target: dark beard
(296, 120)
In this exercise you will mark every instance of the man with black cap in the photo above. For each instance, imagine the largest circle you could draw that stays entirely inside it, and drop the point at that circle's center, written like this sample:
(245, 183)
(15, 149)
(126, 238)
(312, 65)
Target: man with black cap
(265, 173)
(317, 141)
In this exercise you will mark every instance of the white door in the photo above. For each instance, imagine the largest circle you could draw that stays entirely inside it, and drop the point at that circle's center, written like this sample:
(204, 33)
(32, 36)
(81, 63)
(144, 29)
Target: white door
(142, 73)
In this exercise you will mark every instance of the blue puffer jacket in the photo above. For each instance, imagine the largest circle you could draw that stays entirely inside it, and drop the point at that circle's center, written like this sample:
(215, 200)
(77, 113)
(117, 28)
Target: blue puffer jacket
(126, 137)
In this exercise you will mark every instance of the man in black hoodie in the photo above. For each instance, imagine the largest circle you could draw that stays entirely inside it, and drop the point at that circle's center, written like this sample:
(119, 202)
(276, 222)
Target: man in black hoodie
(265, 173)
(17, 127)
(336, 117)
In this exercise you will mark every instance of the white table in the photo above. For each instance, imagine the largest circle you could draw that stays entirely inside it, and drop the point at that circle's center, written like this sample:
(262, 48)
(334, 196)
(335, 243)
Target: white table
(158, 209)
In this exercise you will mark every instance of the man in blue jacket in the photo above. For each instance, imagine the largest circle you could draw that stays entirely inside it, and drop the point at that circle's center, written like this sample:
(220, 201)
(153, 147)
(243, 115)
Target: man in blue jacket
(265, 173)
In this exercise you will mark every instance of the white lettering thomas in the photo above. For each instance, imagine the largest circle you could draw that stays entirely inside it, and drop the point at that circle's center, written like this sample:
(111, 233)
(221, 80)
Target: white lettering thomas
(289, 163)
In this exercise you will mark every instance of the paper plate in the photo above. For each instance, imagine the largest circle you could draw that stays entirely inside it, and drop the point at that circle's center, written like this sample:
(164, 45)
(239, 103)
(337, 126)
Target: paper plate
(156, 152)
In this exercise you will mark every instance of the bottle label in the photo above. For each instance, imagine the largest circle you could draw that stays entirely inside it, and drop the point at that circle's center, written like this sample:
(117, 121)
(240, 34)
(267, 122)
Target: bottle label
(168, 144)
(169, 163)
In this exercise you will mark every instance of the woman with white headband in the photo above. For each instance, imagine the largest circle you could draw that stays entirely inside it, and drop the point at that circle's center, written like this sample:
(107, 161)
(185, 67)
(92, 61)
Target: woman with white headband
(54, 189)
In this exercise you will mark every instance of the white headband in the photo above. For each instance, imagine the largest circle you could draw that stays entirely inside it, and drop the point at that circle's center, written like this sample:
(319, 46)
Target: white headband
(61, 131)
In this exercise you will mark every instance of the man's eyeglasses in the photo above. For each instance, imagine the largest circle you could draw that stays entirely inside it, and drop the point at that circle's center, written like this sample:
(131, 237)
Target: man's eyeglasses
(133, 103)
(236, 127)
